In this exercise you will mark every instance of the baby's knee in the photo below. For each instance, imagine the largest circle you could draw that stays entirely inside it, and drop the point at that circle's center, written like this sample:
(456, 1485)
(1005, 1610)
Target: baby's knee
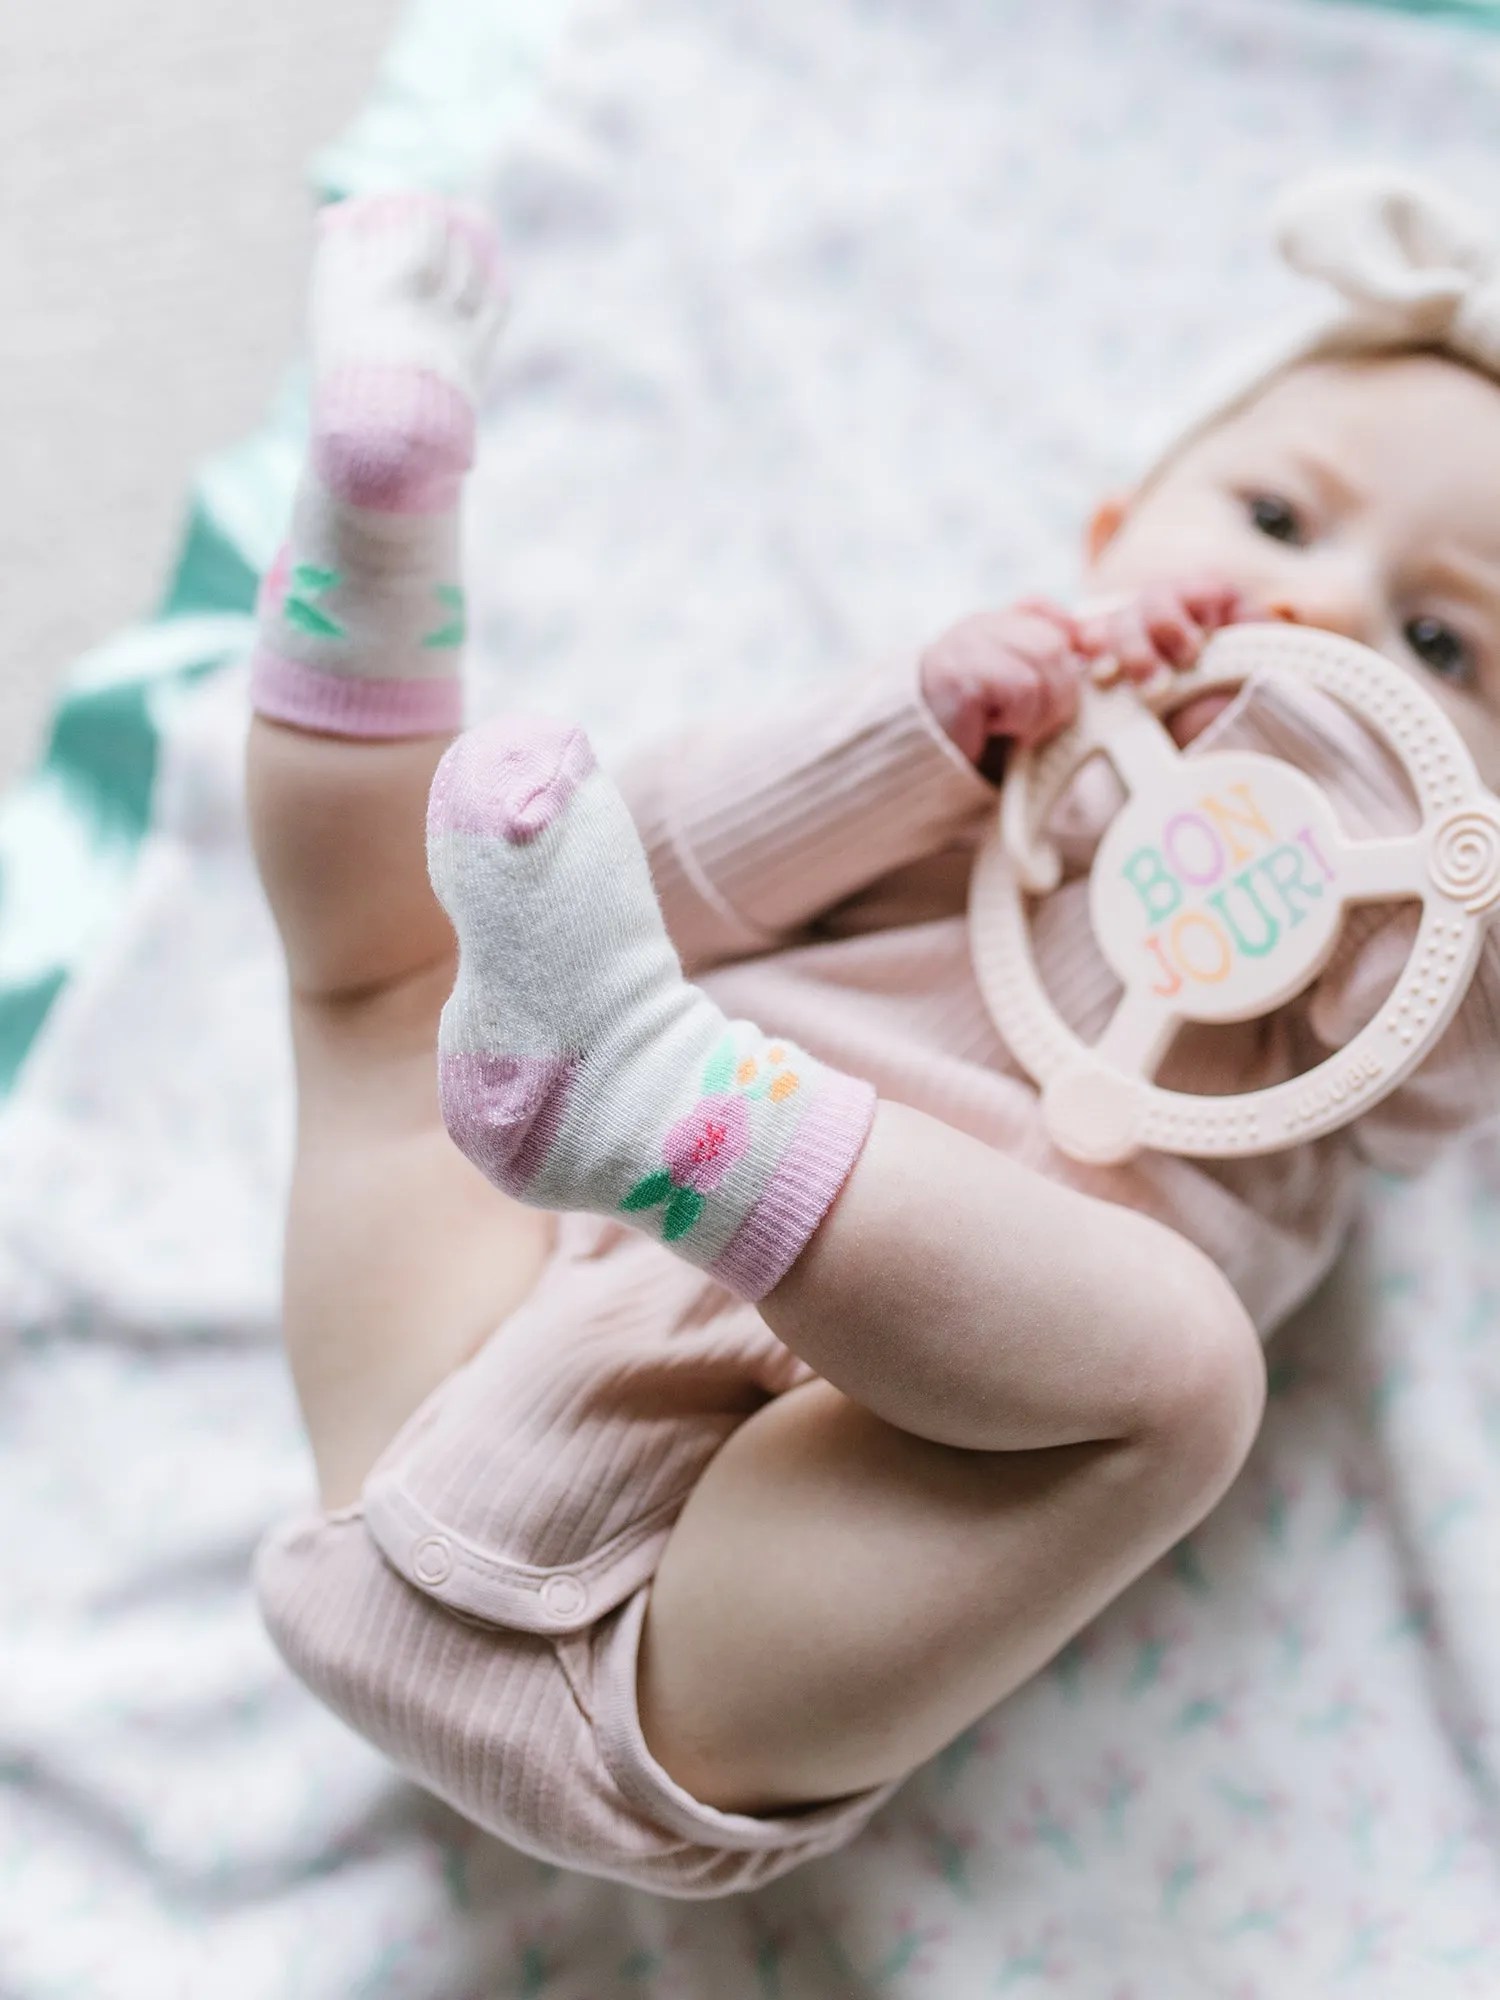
(1202, 1400)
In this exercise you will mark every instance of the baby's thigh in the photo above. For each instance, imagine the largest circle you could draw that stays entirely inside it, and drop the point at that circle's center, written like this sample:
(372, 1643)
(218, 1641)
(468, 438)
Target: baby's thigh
(400, 1257)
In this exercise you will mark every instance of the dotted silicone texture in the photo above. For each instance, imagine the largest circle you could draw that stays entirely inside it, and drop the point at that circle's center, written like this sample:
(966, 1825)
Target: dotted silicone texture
(1205, 895)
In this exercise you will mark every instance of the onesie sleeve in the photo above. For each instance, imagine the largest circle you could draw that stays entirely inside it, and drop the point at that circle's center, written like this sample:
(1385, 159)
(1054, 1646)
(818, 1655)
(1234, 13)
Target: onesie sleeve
(754, 828)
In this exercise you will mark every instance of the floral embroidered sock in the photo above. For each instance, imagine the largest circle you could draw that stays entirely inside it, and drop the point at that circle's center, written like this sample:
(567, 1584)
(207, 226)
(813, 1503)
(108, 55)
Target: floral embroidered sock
(578, 1068)
(362, 614)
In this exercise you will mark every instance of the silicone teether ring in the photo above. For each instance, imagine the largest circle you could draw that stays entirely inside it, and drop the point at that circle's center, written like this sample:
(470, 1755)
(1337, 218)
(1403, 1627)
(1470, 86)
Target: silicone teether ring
(1217, 894)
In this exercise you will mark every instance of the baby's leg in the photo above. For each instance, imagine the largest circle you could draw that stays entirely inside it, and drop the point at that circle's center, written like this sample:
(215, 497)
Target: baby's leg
(1027, 1395)
(1064, 1389)
(400, 1257)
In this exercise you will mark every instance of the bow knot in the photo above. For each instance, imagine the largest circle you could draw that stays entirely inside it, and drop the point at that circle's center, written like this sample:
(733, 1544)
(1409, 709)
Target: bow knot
(1412, 264)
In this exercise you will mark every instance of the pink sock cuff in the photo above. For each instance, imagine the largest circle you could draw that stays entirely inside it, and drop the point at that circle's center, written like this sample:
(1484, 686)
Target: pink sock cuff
(346, 705)
(828, 1140)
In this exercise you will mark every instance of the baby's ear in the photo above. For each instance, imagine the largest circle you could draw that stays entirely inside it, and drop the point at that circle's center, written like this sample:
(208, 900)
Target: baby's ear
(1104, 523)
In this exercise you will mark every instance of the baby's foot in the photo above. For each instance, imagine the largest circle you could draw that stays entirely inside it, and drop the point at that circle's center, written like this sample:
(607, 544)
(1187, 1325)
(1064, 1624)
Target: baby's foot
(407, 300)
(577, 1068)
(362, 614)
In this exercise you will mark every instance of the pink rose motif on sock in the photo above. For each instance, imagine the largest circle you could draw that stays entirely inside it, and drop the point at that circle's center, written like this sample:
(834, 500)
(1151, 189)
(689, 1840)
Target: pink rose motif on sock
(275, 584)
(699, 1150)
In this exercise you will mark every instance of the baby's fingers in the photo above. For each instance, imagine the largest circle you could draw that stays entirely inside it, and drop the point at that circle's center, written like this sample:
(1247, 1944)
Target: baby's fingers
(1131, 646)
(1059, 625)
(1052, 699)
(1212, 604)
(1174, 634)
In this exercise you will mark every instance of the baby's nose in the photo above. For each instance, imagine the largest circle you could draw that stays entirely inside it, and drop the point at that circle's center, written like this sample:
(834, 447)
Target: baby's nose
(1333, 602)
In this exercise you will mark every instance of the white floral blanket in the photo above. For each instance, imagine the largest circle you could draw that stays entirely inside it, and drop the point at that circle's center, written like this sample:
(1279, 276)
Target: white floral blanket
(830, 321)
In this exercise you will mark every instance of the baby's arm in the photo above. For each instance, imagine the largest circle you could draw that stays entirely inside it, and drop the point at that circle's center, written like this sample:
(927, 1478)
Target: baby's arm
(754, 829)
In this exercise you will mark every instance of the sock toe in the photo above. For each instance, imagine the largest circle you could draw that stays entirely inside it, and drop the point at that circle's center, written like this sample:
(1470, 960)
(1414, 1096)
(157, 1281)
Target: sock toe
(509, 778)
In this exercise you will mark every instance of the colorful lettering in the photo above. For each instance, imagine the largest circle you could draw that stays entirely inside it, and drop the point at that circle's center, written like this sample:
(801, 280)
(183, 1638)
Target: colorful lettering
(1270, 930)
(1306, 837)
(1284, 865)
(1226, 819)
(1194, 827)
(1148, 876)
(1223, 956)
(1219, 888)
(1164, 992)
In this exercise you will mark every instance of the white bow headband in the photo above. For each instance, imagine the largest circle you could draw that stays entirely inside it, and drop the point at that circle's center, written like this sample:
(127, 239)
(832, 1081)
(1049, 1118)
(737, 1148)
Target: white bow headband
(1411, 267)
(1414, 266)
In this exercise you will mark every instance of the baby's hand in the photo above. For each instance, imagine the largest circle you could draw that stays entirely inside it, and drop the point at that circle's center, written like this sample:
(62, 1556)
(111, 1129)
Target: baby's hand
(1010, 674)
(1163, 628)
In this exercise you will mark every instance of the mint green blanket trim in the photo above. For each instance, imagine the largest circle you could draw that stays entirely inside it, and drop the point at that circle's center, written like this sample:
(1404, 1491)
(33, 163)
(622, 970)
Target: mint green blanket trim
(457, 78)
(102, 750)
(212, 573)
(71, 834)
(1480, 13)
(22, 1012)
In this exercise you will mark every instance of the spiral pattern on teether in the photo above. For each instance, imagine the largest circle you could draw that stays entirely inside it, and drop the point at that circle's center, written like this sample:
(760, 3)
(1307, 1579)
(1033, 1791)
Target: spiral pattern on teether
(1465, 858)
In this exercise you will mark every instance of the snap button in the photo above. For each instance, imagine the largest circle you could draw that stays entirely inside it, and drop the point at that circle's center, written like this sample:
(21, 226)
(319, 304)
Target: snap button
(563, 1597)
(432, 1560)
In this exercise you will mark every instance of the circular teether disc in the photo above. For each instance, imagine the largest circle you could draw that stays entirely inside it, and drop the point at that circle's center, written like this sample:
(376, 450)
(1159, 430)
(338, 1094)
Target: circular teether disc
(1217, 886)
(1217, 894)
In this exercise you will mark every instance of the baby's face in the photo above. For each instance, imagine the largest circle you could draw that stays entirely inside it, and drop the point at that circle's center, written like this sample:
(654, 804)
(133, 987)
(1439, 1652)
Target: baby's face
(1360, 496)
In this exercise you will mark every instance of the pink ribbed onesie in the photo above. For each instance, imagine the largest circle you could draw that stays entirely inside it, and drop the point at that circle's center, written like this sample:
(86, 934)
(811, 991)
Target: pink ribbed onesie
(477, 1614)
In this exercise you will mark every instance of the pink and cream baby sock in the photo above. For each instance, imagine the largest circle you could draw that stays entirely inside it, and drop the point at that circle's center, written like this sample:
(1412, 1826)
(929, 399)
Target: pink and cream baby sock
(578, 1068)
(362, 615)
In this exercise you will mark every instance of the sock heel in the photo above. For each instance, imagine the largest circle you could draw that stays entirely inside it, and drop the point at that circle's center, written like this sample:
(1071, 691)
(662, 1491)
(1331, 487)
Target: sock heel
(396, 440)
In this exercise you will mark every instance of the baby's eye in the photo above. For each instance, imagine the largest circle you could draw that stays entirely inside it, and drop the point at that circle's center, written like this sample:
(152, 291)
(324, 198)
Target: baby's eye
(1276, 517)
(1439, 647)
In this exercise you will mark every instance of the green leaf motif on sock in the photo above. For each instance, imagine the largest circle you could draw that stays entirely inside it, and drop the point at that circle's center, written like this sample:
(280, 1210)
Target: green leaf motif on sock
(683, 1211)
(299, 609)
(456, 630)
(719, 1073)
(647, 1193)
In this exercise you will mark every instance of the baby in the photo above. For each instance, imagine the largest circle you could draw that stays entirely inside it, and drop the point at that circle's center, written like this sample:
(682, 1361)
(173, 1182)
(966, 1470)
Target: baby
(721, 1393)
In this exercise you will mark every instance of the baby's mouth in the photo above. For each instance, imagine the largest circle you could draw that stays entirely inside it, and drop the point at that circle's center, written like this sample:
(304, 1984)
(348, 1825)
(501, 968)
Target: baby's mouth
(1194, 716)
